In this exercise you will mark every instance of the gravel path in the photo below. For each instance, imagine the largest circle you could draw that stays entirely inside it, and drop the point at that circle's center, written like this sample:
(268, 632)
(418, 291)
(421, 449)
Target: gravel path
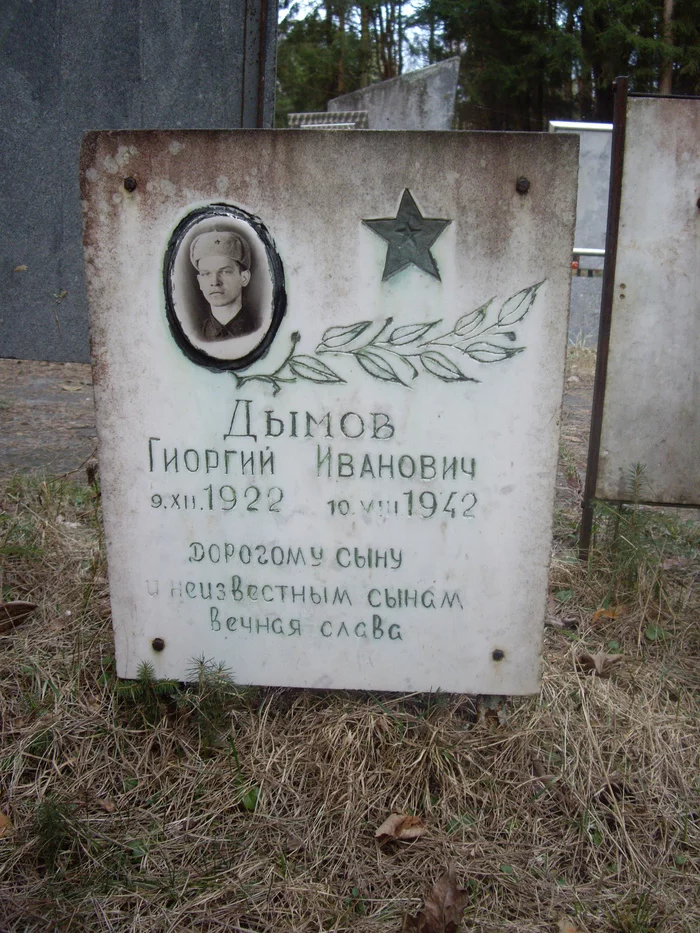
(47, 416)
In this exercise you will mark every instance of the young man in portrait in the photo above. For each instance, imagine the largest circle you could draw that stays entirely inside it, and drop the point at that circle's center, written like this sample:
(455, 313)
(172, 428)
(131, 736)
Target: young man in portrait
(222, 260)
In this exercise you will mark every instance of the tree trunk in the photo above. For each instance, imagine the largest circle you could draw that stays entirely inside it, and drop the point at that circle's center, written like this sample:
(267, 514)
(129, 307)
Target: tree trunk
(328, 28)
(585, 81)
(666, 70)
(341, 57)
(364, 45)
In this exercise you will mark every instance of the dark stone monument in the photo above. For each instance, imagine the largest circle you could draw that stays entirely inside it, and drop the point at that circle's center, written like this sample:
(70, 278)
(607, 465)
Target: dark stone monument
(92, 64)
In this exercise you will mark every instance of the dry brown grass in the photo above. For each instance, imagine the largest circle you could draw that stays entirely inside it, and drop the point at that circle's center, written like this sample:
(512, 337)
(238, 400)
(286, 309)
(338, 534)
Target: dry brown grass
(140, 813)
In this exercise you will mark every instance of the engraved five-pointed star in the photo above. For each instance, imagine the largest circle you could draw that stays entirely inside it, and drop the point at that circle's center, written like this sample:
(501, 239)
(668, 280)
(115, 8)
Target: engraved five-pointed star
(410, 236)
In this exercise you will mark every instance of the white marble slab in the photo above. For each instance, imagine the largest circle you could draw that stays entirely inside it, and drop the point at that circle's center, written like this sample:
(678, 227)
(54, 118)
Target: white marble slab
(368, 503)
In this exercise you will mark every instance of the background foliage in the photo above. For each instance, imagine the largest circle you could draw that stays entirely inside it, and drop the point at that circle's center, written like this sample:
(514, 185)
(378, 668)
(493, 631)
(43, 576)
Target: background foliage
(524, 62)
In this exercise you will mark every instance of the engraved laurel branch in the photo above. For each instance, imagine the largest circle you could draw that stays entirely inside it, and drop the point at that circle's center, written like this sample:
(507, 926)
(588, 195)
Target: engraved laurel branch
(400, 354)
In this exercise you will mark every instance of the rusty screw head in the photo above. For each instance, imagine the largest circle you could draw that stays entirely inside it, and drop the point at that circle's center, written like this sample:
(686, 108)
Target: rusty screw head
(157, 644)
(130, 183)
(498, 655)
(522, 185)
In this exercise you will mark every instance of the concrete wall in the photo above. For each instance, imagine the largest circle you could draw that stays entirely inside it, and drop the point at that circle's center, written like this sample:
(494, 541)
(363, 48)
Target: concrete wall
(419, 100)
(94, 64)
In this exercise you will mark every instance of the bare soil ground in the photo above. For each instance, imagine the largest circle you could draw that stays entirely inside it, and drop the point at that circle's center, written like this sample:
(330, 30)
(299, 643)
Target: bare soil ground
(47, 416)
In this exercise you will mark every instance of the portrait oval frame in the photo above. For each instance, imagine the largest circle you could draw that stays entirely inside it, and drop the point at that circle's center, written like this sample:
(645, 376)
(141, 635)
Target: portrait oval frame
(181, 236)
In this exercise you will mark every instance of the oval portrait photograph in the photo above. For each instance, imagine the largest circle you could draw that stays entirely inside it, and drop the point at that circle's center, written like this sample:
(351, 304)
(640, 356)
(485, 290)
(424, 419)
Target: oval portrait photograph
(224, 287)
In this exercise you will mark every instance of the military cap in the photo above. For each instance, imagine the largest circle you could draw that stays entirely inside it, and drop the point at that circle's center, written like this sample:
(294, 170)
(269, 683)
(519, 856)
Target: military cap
(227, 244)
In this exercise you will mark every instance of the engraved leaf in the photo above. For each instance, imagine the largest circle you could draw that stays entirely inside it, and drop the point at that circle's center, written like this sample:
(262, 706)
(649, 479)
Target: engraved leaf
(468, 323)
(440, 366)
(485, 352)
(515, 308)
(336, 337)
(408, 333)
(381, 367)
(307, 367)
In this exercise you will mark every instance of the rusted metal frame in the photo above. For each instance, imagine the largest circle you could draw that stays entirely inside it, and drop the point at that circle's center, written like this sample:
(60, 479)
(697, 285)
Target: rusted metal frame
(256, 16)
(601, 369)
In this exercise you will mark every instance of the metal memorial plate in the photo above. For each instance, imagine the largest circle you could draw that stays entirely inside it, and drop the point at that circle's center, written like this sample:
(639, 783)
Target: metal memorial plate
(651, 413)
(328, 374)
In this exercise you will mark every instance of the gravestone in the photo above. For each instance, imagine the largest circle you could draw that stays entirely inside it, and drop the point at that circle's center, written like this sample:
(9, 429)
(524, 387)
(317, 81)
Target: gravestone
(328, 401)
(70, 67)
(651, 412)
(418, 100)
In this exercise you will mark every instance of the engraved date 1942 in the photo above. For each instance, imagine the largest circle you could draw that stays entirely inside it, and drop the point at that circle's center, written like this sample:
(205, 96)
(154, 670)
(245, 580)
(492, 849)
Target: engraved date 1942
(412, 504)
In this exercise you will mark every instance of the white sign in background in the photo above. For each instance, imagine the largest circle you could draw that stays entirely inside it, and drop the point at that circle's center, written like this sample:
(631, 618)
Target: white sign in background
(593, 185)
(369, 504)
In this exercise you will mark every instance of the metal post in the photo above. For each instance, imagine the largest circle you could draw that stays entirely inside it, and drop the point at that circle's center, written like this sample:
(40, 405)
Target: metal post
(601, 369)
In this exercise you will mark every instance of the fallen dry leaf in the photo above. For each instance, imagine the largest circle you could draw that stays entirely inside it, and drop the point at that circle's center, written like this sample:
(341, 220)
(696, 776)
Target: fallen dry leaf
(613, 613)
(21, 268)
(5, 824)
(555, 620)
(615, 788)
(61, 521)
(401, 828)
(91, 470)
(291, 842)
(566, 926)
(542, 777)
(107, 805)
(599, 663)
(677, 564)
(443, 909)
(70, 388)
(492, 710)
(14, 613)
(573, 481)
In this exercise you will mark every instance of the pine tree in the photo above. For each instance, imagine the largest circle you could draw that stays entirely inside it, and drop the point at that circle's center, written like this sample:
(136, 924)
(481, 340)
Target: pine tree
(524, 62)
